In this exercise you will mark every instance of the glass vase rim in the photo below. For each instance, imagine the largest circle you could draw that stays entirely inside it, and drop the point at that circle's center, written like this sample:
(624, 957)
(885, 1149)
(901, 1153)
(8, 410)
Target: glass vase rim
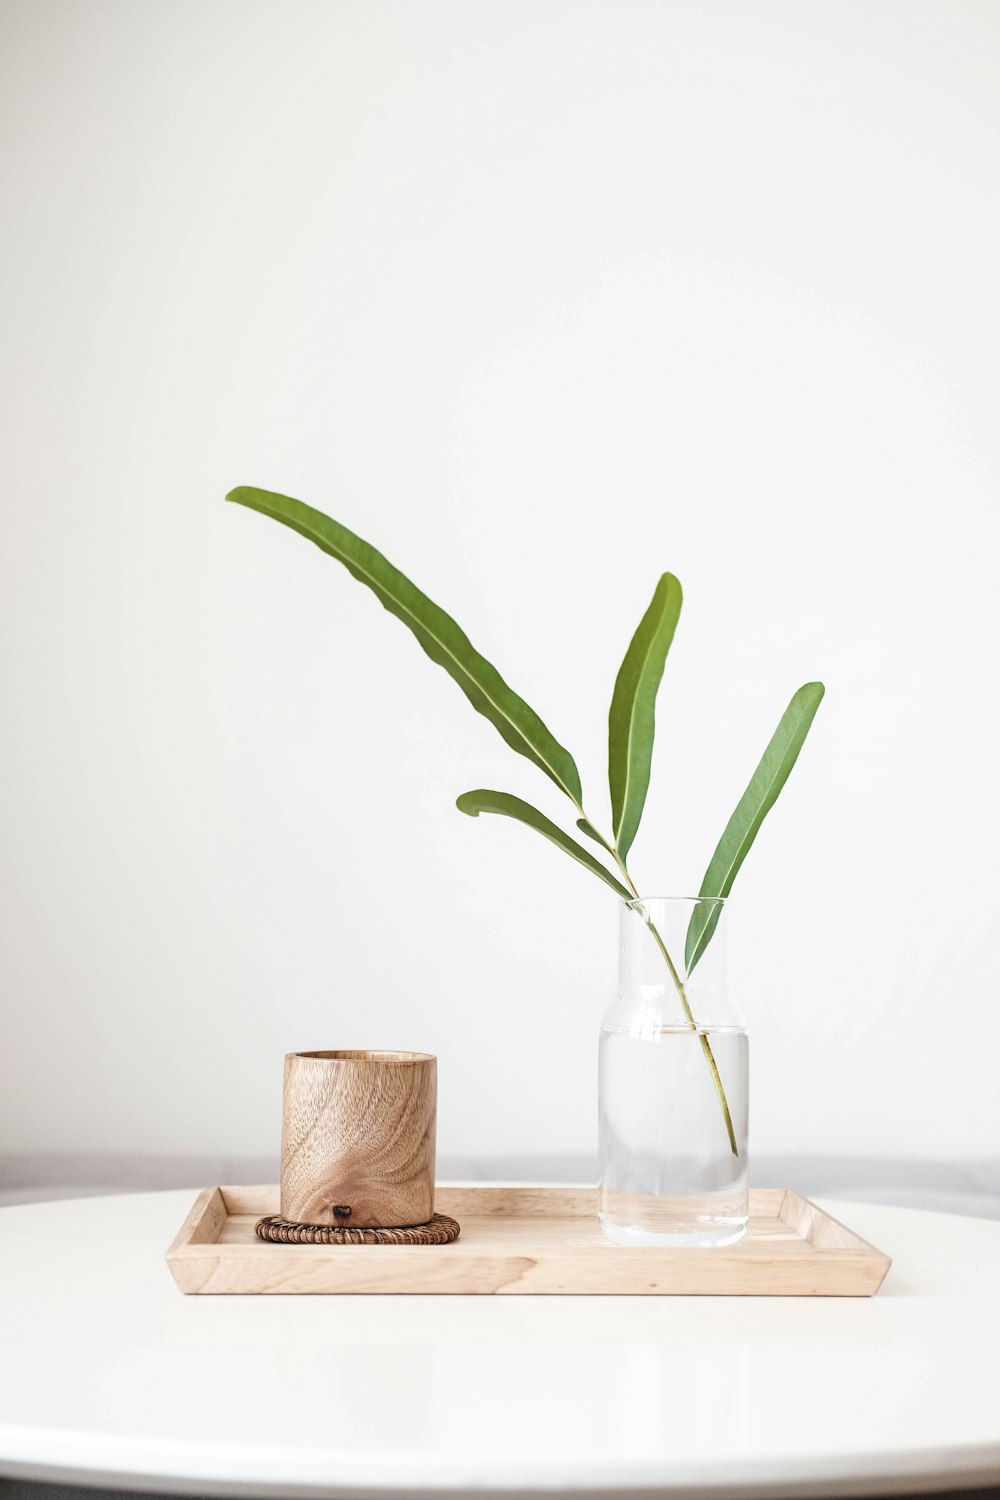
(635, 902)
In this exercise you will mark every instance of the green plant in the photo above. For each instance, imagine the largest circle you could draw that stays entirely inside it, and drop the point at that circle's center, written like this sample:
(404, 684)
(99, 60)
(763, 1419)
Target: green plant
(631, 726)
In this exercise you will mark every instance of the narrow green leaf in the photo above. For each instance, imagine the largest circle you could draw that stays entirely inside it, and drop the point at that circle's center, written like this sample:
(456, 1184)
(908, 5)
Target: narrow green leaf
(585, 826)
(508, 806)
(751, 810)
(443, 640)
(631, 722)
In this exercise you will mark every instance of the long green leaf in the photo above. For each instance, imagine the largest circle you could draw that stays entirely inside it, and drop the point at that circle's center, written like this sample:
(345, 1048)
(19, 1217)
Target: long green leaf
(751, 810)
(439, 635)
(585, 826)
(631, 722)
(508, 806)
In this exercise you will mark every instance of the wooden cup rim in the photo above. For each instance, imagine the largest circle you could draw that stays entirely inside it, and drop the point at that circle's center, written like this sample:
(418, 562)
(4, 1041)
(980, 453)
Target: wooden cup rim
(392, 1059)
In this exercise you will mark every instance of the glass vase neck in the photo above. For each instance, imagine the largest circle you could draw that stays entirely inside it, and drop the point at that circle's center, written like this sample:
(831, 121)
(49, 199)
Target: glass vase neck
(673, 961)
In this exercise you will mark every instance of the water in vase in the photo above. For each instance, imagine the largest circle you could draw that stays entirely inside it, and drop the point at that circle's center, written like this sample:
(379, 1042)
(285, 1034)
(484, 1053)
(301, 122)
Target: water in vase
(668, 1175)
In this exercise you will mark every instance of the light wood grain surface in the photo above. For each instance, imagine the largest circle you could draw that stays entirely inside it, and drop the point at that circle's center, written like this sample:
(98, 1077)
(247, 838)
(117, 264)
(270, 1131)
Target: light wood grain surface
(358, 1138)
(523, 1240)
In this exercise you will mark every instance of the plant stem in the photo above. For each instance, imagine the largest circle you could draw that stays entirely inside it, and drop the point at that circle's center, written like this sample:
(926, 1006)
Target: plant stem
(706, 1045)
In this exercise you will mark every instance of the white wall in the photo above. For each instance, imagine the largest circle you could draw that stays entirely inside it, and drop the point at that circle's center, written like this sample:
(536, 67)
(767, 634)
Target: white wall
(542, 298)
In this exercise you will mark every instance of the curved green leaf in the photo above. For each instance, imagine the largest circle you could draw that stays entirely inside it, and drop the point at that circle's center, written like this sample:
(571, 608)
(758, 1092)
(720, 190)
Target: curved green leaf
(585, 826)
(631, 722)
(508, 806)
(440, 636)
(751, 810)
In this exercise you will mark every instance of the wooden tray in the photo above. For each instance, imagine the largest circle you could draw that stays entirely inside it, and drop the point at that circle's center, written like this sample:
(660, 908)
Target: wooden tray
(527, 1239)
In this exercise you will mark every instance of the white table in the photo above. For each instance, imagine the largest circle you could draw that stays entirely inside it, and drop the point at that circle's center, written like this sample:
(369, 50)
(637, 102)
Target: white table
(110, 1376)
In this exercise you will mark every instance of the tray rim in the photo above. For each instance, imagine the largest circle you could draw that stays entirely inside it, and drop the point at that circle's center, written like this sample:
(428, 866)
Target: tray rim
(835, 1244)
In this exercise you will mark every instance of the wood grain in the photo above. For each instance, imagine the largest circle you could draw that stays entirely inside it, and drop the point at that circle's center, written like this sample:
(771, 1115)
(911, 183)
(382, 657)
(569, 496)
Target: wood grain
(522, 1240)
(358, 1138)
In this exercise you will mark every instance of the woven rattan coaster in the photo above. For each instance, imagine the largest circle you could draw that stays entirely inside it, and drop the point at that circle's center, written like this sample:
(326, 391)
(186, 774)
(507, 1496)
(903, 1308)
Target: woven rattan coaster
(439, 1231)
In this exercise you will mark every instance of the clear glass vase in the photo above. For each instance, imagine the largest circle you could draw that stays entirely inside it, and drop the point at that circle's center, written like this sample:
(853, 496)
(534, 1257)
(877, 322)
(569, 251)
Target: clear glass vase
(673, 1083)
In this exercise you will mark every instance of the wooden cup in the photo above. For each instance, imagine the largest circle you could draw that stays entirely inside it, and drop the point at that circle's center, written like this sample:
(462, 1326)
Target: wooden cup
(358, 1138)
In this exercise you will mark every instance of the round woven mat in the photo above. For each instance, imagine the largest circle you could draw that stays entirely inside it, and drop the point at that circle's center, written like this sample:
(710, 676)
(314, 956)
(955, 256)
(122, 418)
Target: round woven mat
(439, 1231)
